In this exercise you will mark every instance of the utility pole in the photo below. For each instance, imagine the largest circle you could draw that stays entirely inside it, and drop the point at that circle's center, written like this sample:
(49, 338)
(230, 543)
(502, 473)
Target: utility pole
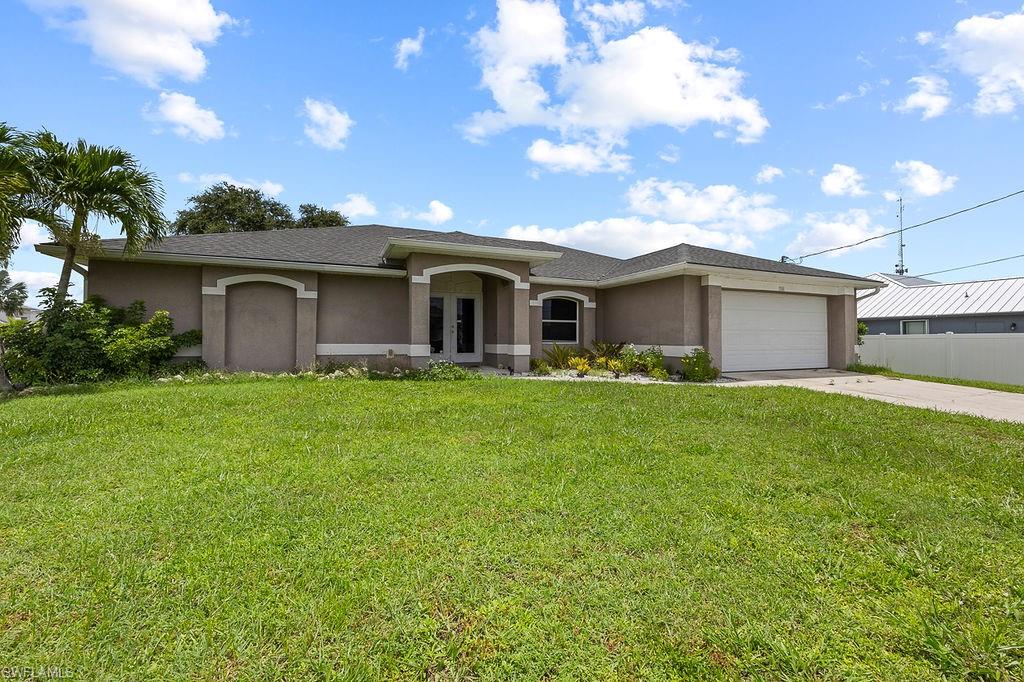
(901, 268)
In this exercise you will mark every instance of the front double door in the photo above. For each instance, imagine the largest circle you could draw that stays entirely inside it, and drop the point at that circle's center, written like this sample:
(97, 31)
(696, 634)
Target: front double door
(456, 326)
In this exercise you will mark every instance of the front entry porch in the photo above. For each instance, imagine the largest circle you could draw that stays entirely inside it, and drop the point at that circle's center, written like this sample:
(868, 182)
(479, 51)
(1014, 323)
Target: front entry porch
(470, 314)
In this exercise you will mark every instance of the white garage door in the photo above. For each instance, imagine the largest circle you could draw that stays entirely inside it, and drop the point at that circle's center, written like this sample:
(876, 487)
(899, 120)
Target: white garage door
(773, 331)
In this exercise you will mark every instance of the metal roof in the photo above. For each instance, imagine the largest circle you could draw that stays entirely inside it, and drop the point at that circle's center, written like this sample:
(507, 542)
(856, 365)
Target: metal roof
(904, 300)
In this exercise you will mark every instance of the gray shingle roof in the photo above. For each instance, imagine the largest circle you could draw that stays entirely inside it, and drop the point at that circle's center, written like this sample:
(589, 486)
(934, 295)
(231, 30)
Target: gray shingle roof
(362, 245)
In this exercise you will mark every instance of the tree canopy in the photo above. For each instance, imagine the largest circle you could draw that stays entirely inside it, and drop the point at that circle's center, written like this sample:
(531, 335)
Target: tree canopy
(228, 208)
(311, 215)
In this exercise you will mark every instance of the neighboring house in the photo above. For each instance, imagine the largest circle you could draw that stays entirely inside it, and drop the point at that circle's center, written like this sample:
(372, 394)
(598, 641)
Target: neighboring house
(396, 296)
(30, 314)
(912, 305)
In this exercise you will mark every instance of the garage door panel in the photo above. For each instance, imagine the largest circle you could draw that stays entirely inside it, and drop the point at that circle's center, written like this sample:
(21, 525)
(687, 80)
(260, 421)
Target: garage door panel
(763, 330)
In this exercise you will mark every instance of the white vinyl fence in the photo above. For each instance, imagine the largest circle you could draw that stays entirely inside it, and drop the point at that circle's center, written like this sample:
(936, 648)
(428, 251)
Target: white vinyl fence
(987, 357)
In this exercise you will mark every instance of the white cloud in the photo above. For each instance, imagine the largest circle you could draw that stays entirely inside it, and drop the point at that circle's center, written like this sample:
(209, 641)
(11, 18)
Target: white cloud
(631, 236)
(990, 48)
(34, 280)
(843, 181)
(862, 90)
(577, 157)
(828, 231)
(436, 213)
(924, 37)
(144, 39)
(355, 206)
(670, 154)
(604, 90)
(923, 179)
(718, 207)
(186, 117)
(931, 97)
(268, 187)
(603, 19)
(890, 195)
(32, 233)
(406, 48)
(326, 127)
(768, 175)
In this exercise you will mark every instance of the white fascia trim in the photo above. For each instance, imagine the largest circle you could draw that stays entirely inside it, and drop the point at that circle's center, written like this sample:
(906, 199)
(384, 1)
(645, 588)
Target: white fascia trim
(587, 303)
(224, 282)
(192, 259)
(469, 267)
(777, 286)
(400, 247)
(386, 349)
(507, 348)
(563, 282)
(677, 269)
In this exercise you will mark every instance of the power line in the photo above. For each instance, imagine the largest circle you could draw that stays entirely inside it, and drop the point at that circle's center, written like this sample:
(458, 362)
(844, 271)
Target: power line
(975, 265)
(889, 234)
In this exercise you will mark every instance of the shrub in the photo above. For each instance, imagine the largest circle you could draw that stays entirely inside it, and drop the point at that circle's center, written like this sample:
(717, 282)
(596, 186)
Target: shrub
(630, 359)
(658, 373)
(88, 342)
(698, 366)
(614, 366)
(558, 356)
(539, 367)
(580, 365)
(862, 331)
(603, 350)
(651, 359)
(442, 371)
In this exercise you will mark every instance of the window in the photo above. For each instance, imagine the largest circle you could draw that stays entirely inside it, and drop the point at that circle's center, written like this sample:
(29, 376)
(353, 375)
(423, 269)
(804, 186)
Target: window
(914, 327)
(560, 320)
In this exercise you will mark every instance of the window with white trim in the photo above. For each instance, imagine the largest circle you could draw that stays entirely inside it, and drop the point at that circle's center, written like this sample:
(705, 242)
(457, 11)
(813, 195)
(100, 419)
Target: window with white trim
(560, 320)
(914, 327)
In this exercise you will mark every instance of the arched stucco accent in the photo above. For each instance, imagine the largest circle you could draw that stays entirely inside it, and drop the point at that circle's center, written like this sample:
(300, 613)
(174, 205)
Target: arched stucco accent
(583, 298)
(224, 282)
(470, 267)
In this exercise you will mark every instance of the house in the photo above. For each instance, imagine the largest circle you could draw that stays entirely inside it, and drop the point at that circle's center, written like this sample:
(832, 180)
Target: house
(912, 305)
(397, 296)
(28, 314)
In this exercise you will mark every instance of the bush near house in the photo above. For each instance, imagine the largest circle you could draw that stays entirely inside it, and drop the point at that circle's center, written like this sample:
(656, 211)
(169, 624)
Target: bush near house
(90, 341)
(699, 366)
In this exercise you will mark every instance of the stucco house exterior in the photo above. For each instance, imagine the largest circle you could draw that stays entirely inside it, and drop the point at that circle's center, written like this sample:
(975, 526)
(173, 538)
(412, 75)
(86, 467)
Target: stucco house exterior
(913, 305)
(283, 299)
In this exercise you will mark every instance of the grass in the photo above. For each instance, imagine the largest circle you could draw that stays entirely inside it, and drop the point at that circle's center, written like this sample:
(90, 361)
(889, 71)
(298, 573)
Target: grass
(506, 529)
(974, 383)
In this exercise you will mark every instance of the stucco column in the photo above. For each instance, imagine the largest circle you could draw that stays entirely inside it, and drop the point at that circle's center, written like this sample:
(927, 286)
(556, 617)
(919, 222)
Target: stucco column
(842, 331)
(419, 323)
(520, 360)
(589, 331)
(305, 332)
(711, 322)
(214, 322)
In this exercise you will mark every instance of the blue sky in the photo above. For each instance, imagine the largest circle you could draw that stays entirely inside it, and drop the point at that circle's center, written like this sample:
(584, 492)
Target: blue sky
(620, 127)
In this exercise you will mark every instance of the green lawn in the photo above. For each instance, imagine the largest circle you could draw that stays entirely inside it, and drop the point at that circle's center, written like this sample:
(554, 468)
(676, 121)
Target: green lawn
(506, 529)
(974, 383)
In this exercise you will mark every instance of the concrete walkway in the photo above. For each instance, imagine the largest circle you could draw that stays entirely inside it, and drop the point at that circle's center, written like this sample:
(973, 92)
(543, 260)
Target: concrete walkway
(944, 397)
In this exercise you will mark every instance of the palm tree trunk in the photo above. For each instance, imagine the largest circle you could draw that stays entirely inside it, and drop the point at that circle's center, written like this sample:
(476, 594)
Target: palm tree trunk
(65, 276)
(70, 251)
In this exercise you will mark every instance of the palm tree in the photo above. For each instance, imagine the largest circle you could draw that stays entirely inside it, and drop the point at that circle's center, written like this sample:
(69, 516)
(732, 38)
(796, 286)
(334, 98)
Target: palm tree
(15, 189)
(79, 183)
(12, 299)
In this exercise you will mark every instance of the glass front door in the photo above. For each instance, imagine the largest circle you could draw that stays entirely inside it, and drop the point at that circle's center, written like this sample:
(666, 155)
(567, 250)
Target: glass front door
(455, 328)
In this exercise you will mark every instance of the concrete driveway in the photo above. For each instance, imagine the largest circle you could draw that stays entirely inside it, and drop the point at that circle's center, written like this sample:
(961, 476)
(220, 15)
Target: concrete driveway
(944, 397)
